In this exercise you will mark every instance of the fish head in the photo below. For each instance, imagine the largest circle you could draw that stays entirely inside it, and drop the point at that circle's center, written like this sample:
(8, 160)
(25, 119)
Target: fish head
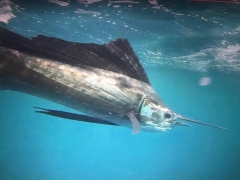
(155, 116)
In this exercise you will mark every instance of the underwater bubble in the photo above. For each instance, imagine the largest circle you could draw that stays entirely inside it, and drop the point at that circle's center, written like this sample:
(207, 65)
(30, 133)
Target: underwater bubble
(204, 81)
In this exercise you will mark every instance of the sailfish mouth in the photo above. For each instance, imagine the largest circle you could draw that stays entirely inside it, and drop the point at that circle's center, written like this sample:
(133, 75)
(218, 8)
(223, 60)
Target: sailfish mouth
(201, 123)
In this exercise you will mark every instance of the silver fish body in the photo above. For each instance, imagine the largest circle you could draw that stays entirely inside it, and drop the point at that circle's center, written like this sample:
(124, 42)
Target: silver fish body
(102, 81)
(96, 92)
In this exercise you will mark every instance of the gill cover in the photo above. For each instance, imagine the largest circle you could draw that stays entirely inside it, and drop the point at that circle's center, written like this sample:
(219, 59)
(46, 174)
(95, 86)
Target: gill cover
(156, 117)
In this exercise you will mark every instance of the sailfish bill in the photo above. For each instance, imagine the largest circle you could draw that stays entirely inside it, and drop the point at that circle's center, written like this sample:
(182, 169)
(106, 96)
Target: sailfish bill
(105, 82)
(197, 122)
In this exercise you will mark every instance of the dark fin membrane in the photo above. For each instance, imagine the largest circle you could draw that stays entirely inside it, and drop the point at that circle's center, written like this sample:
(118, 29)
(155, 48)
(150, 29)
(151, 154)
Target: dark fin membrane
(73, 116)
(117, 56)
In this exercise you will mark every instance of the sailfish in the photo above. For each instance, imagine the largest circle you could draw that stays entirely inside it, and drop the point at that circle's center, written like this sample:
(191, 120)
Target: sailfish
(106, 83)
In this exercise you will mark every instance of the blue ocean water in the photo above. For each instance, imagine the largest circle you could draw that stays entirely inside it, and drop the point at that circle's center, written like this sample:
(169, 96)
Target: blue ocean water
(178, 43)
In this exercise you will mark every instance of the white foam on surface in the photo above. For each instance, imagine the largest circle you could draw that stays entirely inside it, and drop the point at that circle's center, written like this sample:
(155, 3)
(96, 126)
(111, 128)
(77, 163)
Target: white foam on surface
(225, 59)
(88, 1)
(232, 32)
(61, 3)
(6, 13)
(153, 2)
(81, 11)
(123, 1)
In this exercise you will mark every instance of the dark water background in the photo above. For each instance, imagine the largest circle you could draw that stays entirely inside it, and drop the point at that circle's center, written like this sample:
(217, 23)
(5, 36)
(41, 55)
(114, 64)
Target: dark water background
(176, 51)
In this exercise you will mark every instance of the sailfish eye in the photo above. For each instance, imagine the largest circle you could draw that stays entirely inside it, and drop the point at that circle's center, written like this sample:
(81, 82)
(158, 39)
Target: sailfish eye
(167, 115)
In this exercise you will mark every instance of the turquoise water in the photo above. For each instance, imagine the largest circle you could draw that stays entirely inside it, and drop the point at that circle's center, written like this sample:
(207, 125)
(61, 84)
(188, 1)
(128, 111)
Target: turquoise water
(36, 146)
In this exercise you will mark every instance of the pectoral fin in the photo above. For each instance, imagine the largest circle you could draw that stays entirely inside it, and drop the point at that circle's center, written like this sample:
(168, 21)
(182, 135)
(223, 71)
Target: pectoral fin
(135, 123)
